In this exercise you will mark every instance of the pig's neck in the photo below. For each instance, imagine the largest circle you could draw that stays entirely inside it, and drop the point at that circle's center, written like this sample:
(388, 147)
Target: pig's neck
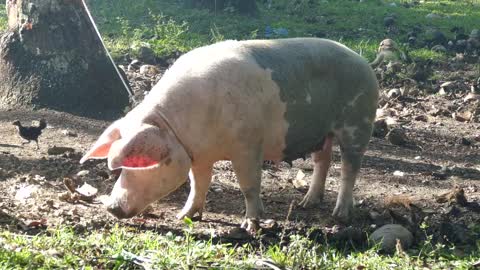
(168, 111)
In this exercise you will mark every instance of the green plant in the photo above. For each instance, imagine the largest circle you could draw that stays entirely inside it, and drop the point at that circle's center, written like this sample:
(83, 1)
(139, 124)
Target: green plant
(216, 35)
(3, 18)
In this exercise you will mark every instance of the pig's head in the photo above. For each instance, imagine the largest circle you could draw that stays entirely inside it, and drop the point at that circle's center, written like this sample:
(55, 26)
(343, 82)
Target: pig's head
(152, 160)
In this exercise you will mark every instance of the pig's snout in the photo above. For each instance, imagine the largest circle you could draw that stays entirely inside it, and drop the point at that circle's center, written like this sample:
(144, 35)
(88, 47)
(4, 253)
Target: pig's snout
(116, 210)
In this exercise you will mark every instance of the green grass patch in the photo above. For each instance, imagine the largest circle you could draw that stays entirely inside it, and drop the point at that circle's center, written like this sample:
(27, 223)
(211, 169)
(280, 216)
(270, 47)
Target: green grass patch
(168, 26)
(126, 248)
(3, 18)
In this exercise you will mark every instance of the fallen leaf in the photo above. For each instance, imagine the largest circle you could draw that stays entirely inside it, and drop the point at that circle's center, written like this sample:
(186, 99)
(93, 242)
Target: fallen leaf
(34, 223)
(69, 184)
(462, 117)
(87, 191)
(299, 181)
(399, 200)
(25, 192)
(456, 195)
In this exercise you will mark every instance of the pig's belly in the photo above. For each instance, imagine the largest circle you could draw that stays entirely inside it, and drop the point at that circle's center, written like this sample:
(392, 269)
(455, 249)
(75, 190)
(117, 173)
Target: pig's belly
(303, 136)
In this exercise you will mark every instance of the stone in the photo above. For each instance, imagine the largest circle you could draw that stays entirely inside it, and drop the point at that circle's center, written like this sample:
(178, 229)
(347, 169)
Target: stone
(432, 16)
(149, 70)
(439, 48)
(397, 136)
(146, 55)
(387, 235)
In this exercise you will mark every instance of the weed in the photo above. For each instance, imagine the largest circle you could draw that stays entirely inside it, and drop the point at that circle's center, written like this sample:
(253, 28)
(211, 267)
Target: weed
(3, 18)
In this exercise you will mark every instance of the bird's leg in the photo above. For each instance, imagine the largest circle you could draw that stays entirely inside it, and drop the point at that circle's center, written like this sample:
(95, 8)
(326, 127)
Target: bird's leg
(37, 144)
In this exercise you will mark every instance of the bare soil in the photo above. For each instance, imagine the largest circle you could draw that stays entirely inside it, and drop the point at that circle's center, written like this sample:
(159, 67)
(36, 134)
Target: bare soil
(398, 184)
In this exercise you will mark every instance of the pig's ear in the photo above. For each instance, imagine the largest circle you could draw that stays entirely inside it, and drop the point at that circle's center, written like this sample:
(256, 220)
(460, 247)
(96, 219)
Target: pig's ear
(146, 149)
(102, 146)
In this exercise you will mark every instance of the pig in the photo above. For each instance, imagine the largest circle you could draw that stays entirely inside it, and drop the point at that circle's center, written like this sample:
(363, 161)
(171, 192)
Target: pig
(243, 101)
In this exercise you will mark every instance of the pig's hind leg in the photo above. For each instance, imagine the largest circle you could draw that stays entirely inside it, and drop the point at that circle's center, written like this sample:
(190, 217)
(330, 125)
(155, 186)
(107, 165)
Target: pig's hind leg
(321, 159)
(200, 179)
(248, 169)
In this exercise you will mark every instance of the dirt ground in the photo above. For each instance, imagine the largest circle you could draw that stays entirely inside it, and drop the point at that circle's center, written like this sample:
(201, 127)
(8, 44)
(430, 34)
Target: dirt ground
(398, 184)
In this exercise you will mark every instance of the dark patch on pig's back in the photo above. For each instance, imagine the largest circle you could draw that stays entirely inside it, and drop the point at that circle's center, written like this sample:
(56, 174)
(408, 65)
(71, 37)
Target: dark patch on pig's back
(293, 70)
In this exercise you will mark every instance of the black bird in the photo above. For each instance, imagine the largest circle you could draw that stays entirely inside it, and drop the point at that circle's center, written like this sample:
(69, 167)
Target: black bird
(30, 133)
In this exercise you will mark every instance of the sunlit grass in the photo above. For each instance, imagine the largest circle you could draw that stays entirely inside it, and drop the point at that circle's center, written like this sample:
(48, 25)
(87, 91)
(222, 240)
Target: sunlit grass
(126, 248)
(3, 18)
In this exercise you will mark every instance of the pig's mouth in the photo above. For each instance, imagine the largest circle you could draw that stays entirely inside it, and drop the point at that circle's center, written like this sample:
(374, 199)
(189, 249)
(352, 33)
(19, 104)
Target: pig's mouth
(116, 209)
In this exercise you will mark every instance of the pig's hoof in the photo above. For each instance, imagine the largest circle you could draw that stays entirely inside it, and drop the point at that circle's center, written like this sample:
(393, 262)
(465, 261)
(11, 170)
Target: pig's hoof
(310, 201)
(252, 225)
(342, 214)
(189, 213)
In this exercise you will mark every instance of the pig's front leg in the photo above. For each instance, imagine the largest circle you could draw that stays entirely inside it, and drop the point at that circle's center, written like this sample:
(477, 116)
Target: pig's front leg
(200, 178)
(248, 168)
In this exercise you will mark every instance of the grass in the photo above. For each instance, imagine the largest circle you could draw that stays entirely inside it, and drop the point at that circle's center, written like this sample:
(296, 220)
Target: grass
(3, 18)
(357, 24)
(127, 248)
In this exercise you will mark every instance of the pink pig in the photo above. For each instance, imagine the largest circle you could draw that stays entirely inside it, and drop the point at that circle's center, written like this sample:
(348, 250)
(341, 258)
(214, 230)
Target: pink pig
(244, 101)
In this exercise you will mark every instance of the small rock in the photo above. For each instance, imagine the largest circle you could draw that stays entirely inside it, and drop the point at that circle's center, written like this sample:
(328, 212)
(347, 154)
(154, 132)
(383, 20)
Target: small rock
(83, 173)
(442, 92)
(217, 190)
(146, 55)
(349, 234)
(380, 128)
(412, 40)
(269, 224)
(397, 136)
(388, 21)
(398, 173)
(134, 65)
(69, 133)
(439, 48)
(393, 93)
(446, 87)
(475, 34)
(432, 16)
(457, 233)
(103, 174)
(387, 236)
(465, 141)
(237, 234)
(149, 70)
(440, 175)
(421, 117)
(435, 36)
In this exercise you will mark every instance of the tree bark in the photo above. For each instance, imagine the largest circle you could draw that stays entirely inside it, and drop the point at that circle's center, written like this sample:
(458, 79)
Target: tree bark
(247, 7)
(51, 56)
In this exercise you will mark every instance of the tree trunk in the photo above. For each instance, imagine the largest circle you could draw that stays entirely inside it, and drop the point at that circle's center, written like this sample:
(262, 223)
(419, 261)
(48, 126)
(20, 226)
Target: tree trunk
(51, 56)
(248, 7)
